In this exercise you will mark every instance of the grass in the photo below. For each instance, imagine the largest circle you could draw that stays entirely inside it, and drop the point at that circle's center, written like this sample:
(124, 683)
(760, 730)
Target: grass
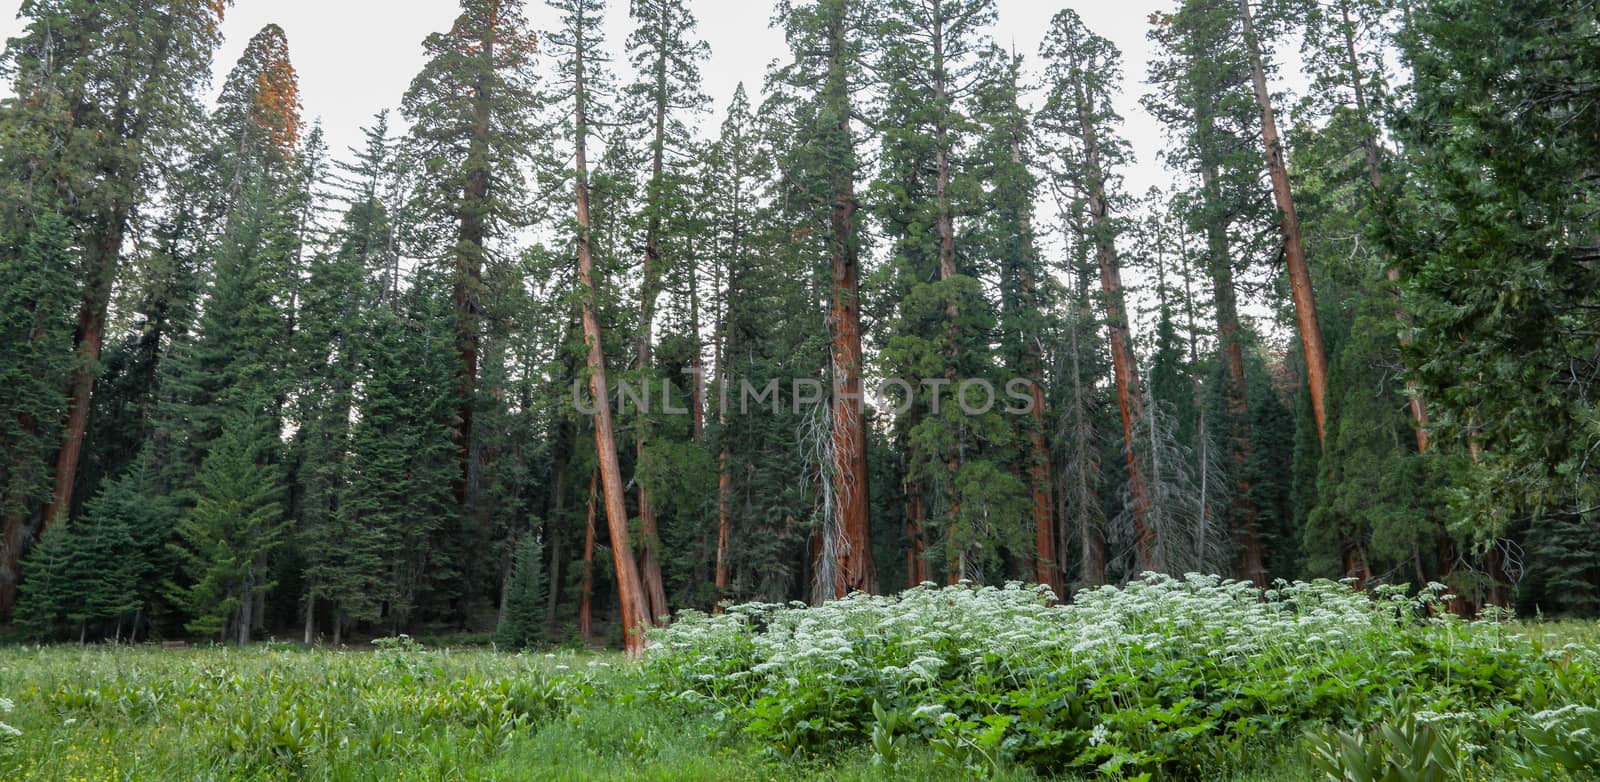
(1185, 681)
(284, 713)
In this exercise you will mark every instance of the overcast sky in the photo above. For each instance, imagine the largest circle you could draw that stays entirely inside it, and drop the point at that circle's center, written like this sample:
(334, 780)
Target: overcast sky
(356, 57)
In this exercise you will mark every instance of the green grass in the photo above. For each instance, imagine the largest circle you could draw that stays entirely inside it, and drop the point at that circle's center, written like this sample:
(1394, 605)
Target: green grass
(868, 689)
(283, 713)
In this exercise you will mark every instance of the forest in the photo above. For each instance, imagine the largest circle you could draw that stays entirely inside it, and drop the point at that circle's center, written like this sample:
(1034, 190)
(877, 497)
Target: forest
(256, 387)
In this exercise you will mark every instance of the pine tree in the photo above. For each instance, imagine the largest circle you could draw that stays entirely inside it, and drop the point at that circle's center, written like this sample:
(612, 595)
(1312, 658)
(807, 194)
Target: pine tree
(233, 528)
(1083, 67)
(522, 616)
(132, 70)
(472, 113)
(581, 79)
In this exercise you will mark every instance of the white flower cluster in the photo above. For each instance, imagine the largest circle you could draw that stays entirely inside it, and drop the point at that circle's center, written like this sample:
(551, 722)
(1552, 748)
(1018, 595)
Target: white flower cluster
(6, 731)
(926, 635)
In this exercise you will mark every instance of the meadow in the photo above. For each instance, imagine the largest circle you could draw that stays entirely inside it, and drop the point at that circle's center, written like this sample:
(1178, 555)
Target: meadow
(1183, 679)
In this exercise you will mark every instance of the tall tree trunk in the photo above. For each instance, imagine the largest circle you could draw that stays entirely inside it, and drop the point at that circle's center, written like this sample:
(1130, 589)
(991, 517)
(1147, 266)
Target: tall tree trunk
(552, 527)
(1046, 568)
(853, 565)
(723, 570)
(916, 547)
(1250, 562)
(649, 289)
(945, 224)
(247, 606)
(697, 408)
(467, 277)
(311, 616)
(87, 338)
(1305, 302)
(1091, 537)
(1124, 365)
(1369, 145)
(586, 593)
(635, 607)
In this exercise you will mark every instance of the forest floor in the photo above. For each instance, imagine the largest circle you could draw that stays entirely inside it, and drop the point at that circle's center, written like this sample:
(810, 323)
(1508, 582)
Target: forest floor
(401, 712)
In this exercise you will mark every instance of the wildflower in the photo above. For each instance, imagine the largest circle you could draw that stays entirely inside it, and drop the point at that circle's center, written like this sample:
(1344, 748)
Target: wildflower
(1098, 736)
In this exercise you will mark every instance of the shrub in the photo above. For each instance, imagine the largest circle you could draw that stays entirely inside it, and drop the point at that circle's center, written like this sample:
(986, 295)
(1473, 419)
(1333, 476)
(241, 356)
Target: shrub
(1177, 678)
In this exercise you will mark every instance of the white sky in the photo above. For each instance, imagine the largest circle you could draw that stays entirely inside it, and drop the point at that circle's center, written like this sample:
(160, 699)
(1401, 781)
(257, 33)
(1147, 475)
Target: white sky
(356, 57)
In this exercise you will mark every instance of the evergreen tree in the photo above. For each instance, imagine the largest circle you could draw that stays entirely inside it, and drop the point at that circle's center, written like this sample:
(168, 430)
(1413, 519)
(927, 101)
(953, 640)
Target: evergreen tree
(235, 525)
(36, 269)
(1082, 69)
(581, 80)
(107, 562)
(472, 113)
(814, 99)
(666, 56)
(522, 616)
(1495, 237)
(1204, 95)
(132, 71)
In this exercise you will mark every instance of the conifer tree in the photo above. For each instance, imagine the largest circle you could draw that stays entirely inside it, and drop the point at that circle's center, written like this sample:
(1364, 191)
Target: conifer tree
(36, 267)
(235, 525)
(1083, 69)
(522, 616)
(666, 56)
(581, 79)
(472, 110)
(133, 71)
(817, 93)
(1203, 94)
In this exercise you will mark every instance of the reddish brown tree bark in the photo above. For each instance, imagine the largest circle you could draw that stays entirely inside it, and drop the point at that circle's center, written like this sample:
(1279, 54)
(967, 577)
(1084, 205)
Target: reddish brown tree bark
(1124, 365)
(1046, 568)
(854, 571)
(649, 289)
(1305, 302)
(635, 606)
(586, 594)
(916, 547)
(853, 567)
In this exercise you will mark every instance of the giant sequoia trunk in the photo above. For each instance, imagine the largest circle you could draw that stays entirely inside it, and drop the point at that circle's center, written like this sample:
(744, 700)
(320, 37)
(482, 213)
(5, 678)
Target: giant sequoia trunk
(1249, 562)
(1305, 302)
(1369, 146)
(852, 568)
(649, 289)
(1124, 365)
(635, 607)
(88, 337)
(854, 571)
(467, 259)
(1046, 568)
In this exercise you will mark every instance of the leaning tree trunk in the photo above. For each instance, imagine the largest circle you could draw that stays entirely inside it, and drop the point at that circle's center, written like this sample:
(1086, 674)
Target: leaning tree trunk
(635, 608)
(1305, 302)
